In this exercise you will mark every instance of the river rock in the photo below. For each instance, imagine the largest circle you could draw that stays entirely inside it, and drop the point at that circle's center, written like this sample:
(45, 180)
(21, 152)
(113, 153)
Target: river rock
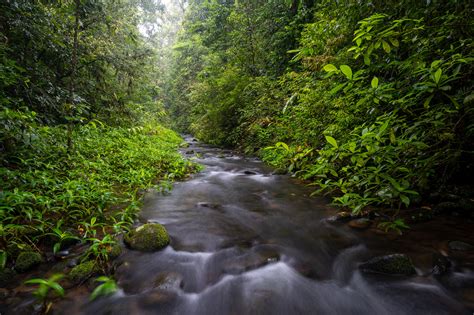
(147, 238)
(209, 205)
(62, 254)
(157, 299)
(27, 261)
(250, 172)
(84, 271)
(189, 152)
(395, 264)
(458, 245)
(252, 261)
(341, 217)
(168, 281)
(441, 265)
(360, 224)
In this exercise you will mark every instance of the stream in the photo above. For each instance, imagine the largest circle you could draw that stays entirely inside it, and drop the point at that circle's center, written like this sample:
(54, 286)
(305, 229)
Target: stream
(247, 241)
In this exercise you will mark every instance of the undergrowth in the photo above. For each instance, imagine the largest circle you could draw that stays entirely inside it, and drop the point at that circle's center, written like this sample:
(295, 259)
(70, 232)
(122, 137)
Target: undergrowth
(50, 198)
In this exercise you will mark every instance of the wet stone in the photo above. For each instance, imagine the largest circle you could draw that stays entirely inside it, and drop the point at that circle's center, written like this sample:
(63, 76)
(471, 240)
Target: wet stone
(461, 246)
(71, 263)
(27, 261)
(168, 281)
(62, 254)
(156, 298)
(147, 238)
(190, 152)
(360, 224)
(441, 265)
(83, 271)
(251, 261)
(395, 264)
(250, 173)
(208, 205)
(340, 217)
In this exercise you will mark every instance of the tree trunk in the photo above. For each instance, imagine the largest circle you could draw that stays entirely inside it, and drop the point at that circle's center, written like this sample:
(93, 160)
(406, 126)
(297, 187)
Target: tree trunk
(72, 86)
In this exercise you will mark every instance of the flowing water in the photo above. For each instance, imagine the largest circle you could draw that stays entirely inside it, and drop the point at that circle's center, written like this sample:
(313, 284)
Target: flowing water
(246, 241)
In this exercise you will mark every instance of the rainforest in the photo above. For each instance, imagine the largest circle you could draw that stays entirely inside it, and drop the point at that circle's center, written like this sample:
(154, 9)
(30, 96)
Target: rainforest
(236, 157)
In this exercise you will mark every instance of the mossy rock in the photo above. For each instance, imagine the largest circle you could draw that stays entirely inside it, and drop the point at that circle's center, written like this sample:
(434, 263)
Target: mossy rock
(84, 271)
(147, 238)
(396, 264)
(13, 250)
(114, 251)
(27, 261)
(6, 276)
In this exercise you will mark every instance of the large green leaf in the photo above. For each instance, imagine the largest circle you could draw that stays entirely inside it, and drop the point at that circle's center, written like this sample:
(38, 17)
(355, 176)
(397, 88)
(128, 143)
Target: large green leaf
(330, 68)
(332, 141)
(347, 71)
(375, 83)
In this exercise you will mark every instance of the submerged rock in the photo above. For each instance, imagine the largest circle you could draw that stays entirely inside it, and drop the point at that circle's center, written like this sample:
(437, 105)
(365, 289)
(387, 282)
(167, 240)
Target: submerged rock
(395, 264)
(441, 265)
(458, 245)
(250, 173)
(147, 238)
(84, 271)
(168, 281)
(253, 260)
(27, 261)
(360, 224)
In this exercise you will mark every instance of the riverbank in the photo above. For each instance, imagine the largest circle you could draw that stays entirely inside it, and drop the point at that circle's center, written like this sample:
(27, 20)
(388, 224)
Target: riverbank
(243, 237)
(246, 240)
(63, 207)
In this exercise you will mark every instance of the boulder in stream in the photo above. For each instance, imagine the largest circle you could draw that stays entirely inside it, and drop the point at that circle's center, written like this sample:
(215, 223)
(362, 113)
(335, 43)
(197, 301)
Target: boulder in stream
(83, 271)
(441, 265)
(168, 281)
(395, 264)
(147, 238)
(458, 245)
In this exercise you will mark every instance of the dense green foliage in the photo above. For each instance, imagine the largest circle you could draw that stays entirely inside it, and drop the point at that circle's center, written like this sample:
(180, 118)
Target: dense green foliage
(371, 101)
(80, 126)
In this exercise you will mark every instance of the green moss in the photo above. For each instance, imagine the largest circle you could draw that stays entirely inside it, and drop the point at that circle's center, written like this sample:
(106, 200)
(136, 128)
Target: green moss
(148, 237)
(6, 276)
(13, 250)
(83, 271)
(396, 264)
(114, 251)
(27, 261)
